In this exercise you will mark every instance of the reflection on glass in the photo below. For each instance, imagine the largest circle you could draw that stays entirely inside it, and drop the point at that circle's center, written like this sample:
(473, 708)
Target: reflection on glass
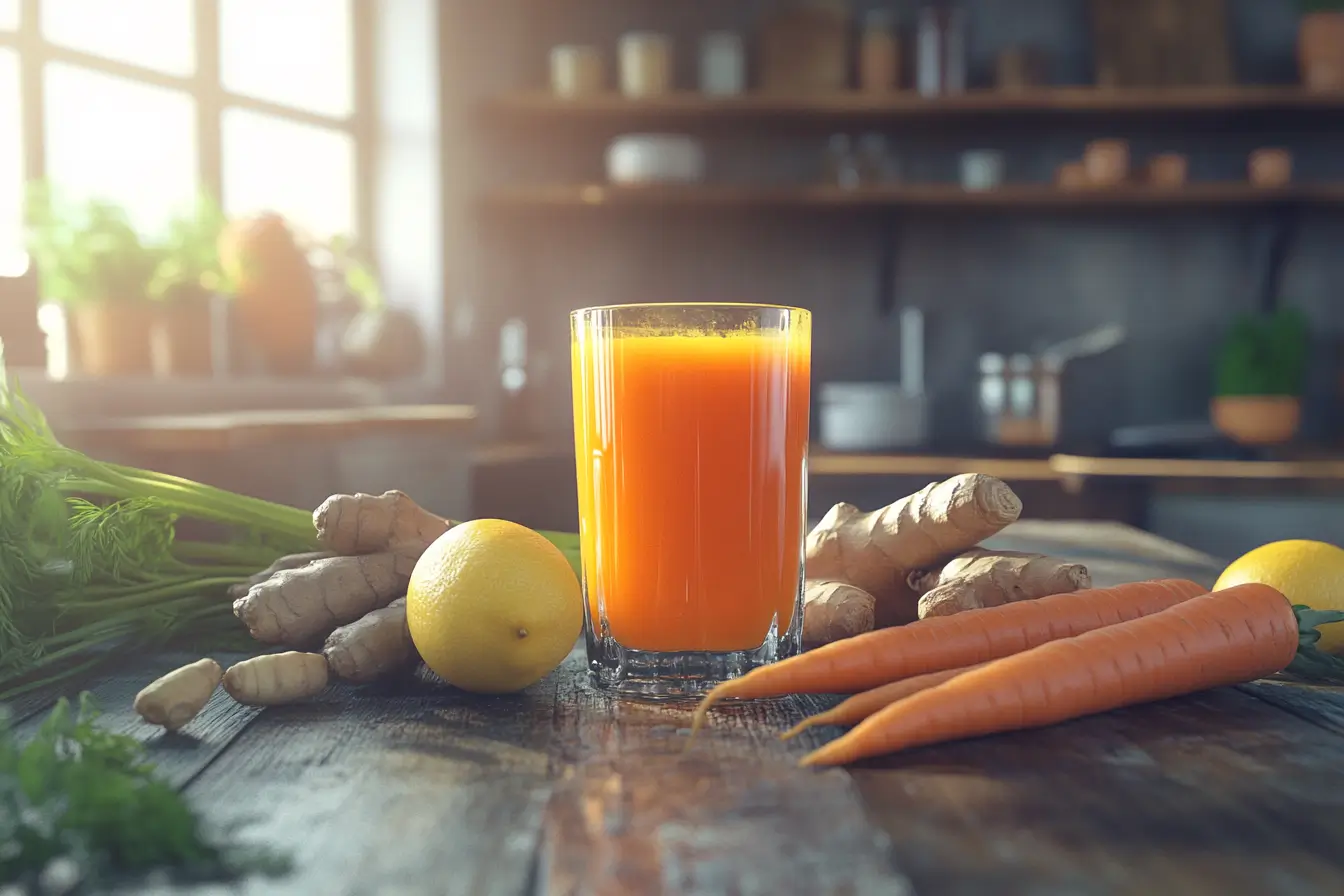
(305, 173)
(11, 166)
(157, 34)
(298, 52)
(114, 139)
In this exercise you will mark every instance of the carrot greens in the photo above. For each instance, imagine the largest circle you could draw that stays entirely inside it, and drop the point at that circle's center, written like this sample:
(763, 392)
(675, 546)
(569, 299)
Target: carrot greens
(89, 553)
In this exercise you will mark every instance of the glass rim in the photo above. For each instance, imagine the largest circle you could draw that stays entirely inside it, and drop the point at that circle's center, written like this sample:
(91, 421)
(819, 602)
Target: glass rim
(639, 306)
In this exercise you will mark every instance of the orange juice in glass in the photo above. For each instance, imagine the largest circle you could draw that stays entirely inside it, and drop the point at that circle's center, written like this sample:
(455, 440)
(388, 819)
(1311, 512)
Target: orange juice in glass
(690, 429)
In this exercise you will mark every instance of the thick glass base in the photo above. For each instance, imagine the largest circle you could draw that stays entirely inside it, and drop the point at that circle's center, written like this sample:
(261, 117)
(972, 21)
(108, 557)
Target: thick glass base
(680, 675)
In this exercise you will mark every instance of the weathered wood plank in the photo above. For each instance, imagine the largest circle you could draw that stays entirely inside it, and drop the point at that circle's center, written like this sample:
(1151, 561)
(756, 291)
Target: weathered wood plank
(1214, 794)
(1320, 705)
(639, 813)
(180, 755)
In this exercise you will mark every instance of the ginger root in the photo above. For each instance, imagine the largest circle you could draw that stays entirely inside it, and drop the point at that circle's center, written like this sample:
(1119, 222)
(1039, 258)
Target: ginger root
(289, 561)
(298, 606)
(875, 551)
(980, 578)
(835, 610)
(275, 678)
(362, 524)
(175, 699)
(374, 645)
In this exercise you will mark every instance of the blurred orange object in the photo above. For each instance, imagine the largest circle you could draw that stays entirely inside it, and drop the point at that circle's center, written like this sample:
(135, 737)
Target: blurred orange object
(1257, 419)
(1271, 167)
(1168, 169)
(1106, 162)
(276, 295)
(1071, 176)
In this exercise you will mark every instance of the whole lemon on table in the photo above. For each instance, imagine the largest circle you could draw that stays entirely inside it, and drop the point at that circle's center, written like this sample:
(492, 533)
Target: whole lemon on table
(1307, 572)
(493, 607)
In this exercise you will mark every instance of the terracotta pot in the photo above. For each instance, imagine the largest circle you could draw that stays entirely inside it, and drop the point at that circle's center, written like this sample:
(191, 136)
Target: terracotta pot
(1257, 419)
(113, 337)
(1320, 51)
(181, 341)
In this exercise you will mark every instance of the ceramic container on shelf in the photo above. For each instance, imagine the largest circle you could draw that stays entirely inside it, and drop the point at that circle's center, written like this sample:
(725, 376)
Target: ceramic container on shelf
(655, 158)
(982, 169)
(1168, 169)
(1106, 162)
(1320, 50)
(646, 64)
(1270, 167)
(871, 416)
(879, 53)
(576, 70)
(723, 64)
(1257, 419)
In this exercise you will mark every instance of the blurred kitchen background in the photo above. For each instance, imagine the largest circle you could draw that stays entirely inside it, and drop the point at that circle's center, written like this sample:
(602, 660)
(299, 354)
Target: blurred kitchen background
(295, 247)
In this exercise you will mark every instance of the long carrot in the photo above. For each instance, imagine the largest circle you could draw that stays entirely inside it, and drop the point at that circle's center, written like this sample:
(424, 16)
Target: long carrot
(861, 706)
(1227, 637)
(948, 642)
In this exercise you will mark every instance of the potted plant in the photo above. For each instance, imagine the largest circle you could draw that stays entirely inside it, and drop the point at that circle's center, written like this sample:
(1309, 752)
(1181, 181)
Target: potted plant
(1320, 44)
(376, 341)
(90, 260)
(274, 292)
(184, 285)
(1261, 373)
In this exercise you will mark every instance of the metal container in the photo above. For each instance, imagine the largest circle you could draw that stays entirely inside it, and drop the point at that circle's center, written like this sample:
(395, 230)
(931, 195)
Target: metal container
(871, 417)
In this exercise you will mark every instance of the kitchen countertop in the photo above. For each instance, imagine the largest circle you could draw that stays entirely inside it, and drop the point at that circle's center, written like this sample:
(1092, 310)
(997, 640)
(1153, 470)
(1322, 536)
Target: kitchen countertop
(415, 787)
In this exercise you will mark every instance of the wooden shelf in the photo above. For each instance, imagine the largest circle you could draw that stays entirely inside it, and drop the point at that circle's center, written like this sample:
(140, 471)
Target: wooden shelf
(691, 106)
(1057, 468)
(559, 197)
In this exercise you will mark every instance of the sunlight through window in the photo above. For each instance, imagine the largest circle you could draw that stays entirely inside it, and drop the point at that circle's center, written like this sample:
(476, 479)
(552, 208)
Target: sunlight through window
(305, 173)
(298, 53)
(114, 139)
(9, 15)
(11, 166)
(155, 34)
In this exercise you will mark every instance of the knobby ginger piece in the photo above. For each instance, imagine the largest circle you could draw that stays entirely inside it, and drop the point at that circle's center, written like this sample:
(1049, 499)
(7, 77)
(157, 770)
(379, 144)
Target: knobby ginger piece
(276, 678)
(376, 644)
(876, 551)
(833, 611)
(289, 561)
(175, 699)
(363, 524)
(297, 607)
(980, 578)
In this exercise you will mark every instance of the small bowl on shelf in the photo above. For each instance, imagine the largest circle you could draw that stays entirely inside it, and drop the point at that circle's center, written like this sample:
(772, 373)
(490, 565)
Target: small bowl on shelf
(655, 158)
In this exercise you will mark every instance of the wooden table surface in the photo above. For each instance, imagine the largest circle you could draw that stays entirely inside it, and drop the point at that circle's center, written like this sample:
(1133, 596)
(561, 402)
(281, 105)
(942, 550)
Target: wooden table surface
(415, 788)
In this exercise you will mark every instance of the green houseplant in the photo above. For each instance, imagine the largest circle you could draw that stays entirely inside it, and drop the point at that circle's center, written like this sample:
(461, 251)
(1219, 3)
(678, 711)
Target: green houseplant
(90, 259)
(1260, 376)
(188, 276)
(1320, 44)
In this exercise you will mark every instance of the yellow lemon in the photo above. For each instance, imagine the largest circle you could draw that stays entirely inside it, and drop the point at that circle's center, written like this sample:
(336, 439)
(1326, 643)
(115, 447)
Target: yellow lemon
(1307, 572)
(493, 607)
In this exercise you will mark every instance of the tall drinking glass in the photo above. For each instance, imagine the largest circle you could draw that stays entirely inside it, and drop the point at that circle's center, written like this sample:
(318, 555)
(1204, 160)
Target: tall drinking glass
(690, 428)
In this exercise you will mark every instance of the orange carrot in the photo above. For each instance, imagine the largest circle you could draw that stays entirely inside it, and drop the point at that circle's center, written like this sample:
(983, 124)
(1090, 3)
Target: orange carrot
(1227, 637)
(948, 642)
(861, 706)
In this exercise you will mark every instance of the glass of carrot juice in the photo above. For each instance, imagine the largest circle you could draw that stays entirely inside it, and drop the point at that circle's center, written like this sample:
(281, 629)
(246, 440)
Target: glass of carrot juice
(690, 430)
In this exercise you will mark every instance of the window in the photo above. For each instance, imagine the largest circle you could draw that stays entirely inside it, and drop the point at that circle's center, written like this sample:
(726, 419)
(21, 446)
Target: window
(115, 139)
(129, 113)
(11, 166)
(273, 164)
(296, 53)
(155, 34)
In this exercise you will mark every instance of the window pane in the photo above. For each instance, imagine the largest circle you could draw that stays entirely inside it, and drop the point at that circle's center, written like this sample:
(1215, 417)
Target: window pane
(298, 52)
(114, 139)
(157, 34)
(11, 166)
(9, 15)
(304, 173)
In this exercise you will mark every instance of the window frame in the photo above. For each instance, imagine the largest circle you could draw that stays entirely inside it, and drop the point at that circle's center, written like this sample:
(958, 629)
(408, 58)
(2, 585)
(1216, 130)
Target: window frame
(207, 91)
